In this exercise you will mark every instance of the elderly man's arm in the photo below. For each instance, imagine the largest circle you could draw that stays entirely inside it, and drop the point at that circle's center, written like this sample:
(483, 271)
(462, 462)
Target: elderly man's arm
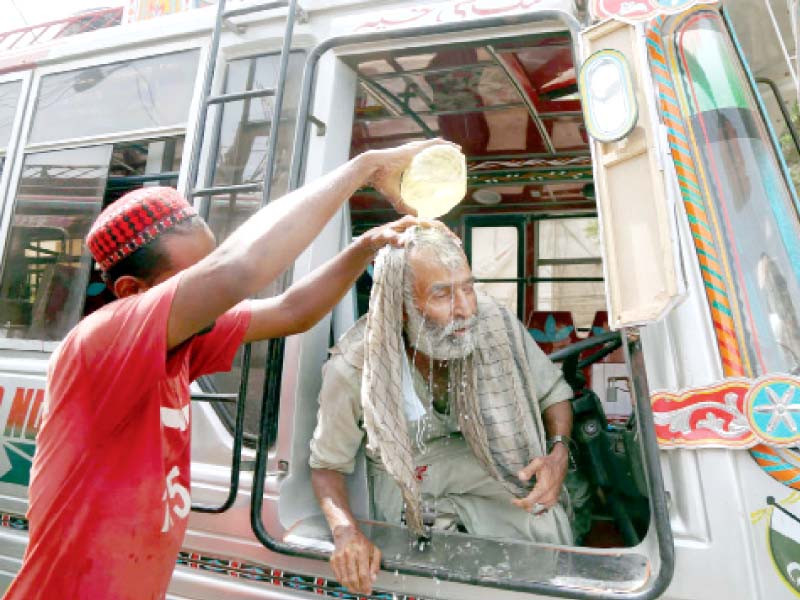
(336, 441)
(553, 394)
(355, 560)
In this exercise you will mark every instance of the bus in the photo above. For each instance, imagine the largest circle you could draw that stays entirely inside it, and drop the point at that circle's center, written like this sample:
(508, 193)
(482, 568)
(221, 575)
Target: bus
(632, 173)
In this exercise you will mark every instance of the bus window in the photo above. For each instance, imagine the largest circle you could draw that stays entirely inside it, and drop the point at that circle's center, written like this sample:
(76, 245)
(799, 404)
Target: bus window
(769, 46)
(762, 247)
(9, 98)
(569, 270)
(529, 230)
(147, 93)
(496, 264)
(46, 270)
(243, 136)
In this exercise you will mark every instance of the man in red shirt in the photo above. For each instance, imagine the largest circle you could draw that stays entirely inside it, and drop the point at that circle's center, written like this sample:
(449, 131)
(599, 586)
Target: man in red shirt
(109, 493)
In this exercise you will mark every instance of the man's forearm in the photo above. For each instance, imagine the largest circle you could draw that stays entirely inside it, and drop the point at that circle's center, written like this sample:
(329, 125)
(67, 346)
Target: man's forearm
(331, 491)
(558, 419)
(269, 242)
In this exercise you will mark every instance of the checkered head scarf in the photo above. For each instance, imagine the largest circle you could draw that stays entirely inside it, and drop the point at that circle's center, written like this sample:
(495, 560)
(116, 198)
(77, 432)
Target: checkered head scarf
(136, 219)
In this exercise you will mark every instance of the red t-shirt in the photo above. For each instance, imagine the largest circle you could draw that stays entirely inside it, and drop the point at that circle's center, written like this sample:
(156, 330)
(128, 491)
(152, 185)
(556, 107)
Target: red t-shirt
(109, 493)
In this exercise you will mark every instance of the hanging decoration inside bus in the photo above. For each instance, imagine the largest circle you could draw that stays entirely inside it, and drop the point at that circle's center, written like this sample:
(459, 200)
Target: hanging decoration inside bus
(631, 11)
(736, 413)
(607, 97)
(457, 10)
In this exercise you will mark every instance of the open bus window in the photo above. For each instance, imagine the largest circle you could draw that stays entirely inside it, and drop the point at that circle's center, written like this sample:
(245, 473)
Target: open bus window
(243, 138)
(46, 269)
(518, 177)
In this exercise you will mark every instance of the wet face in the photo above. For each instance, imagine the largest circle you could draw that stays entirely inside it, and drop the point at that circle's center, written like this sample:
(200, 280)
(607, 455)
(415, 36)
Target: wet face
(441, 319)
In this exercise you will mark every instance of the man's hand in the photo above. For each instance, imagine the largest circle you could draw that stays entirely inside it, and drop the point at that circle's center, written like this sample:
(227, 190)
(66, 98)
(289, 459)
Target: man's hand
(390, 164)
(355, 561)
(550, 471)
(392, 233)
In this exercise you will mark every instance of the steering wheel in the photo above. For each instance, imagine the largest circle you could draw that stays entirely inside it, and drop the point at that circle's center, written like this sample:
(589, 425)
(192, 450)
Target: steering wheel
(603, 344)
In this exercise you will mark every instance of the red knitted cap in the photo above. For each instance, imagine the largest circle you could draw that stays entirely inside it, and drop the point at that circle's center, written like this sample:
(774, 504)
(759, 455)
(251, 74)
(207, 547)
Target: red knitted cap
(134, 220)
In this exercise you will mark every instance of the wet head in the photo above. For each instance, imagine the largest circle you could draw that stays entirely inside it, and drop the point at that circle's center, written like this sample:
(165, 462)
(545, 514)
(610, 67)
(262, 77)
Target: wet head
(440, 301)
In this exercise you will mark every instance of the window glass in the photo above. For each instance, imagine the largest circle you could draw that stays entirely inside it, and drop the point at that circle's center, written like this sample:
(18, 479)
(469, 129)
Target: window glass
(495, 255)
(758, 222)
(46, 269)
(244, 135)
(9, 98)
(569, 269)
(137, 94)
(244, 138)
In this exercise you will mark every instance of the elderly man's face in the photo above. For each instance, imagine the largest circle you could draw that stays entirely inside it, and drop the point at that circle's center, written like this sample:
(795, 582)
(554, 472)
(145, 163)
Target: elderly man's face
(442, 320)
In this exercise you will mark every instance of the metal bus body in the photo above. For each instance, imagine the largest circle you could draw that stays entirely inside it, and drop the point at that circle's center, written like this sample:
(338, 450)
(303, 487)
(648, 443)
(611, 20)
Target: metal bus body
(670, 222)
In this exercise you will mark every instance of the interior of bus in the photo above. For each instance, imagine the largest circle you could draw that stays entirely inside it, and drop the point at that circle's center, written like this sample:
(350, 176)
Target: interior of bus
(528, 225)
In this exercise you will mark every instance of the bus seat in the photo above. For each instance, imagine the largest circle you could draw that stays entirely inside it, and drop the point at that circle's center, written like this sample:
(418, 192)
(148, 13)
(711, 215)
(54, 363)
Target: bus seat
(552, 330)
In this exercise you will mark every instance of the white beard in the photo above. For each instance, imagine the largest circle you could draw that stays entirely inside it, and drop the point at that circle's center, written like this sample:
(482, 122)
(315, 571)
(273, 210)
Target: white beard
(440, 343)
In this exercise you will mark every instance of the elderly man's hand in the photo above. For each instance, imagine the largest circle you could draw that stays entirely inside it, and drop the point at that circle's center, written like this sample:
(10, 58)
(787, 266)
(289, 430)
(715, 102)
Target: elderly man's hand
(355, 560)
(549, 471)
(390, 164)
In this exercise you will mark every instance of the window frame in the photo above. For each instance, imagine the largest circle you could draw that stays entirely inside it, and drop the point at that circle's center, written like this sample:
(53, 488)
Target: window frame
(519, 223)
(659, 541)
(21, 148)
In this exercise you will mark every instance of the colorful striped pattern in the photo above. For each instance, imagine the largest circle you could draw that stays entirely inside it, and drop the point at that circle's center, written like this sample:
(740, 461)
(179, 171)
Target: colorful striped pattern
(711, 267)
(713, 271)
(776, 465)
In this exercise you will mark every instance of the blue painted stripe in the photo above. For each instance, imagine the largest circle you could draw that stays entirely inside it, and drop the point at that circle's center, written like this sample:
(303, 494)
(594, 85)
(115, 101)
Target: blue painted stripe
(722, 309)
(763, 456)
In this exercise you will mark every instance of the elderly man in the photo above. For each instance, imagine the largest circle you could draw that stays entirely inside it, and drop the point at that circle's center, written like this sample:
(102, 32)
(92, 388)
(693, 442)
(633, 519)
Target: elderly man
(463, 413)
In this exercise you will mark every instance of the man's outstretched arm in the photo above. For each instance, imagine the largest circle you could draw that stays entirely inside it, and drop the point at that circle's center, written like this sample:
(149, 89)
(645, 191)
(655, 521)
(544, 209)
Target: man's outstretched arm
(355, 560)
(269, 241)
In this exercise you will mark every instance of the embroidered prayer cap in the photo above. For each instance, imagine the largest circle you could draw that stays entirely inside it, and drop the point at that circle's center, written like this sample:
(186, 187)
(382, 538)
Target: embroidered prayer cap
(134, 220)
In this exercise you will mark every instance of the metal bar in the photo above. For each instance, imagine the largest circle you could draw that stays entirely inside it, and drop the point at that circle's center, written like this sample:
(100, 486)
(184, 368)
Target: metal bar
(280, 86)
(208, 78)
(439, 113)
(238, 435)
(246, 10)
(228, 189)
(565, 279)
(410, 83)
(435, 71)
(378, 88)
(142, 178)
(782, 106)
(214, 397)
(240, 96)
(548, 143)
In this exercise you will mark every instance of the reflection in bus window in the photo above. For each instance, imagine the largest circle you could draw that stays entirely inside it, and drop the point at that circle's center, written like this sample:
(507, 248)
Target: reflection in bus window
(9, 97)
(46, 269)
(154, 91)
(762, 246)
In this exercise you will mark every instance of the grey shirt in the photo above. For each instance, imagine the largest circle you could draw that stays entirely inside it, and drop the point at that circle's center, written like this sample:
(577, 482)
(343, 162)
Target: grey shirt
(339, 434)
